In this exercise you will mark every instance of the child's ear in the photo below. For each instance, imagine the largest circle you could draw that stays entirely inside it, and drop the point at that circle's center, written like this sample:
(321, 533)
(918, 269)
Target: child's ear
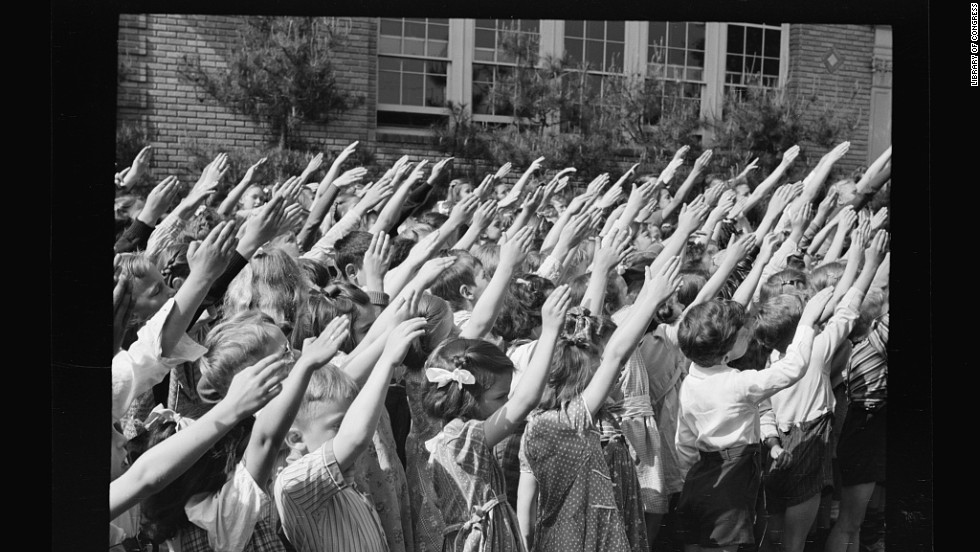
(466, 292)
(294, 440)
(350, 271)
(178, 281)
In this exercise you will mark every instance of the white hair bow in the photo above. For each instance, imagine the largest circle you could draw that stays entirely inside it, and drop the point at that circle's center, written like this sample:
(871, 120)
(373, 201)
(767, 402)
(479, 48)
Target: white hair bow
(160, 415)
(442, 377)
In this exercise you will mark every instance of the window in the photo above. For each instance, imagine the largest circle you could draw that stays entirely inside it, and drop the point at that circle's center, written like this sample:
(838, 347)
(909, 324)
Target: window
(495, 42)
(676, 55)
(425, 63)
(413, 68)
(598, 46)
(752, 56)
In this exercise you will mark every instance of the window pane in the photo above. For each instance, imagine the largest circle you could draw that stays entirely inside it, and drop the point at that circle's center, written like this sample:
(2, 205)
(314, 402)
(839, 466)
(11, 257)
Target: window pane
(593, 84)
(695, 59)
(695, 36)
(735, 39)
(733, 64)
(415, 19)
(614, 57)
(435, 91)
(615, 30)
(391, 27)
(411, 89)
(675, 72)
(389, 45)
(415, 30)
(675, 57)
(389, 87)
(595, 29)
(412, 65)
(389, 64)
(483, 55)
(530, 25)
(574, 48)
(481, 93)
(753, 65)
(482, 73)
(574, 28)
(413, 47)
(695, 74)
(486, 24)
(485, 39)
(439, 32)
(658, 33)
(436, 67)
(593, 54)
(753, 41)
(771, 67)
(438, 48)
(772, 43)
(439, 21)
(676, 34)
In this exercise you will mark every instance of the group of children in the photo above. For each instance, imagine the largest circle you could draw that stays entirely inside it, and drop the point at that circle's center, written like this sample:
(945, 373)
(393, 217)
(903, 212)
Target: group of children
(416, 365)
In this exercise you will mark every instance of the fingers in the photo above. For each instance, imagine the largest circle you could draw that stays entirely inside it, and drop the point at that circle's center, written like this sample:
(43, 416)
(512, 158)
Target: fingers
(336, 327)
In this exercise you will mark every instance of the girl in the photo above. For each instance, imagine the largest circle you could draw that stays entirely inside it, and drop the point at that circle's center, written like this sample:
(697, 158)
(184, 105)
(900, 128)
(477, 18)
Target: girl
(458, 191)
(469, 381)
(222, 501)
(566, 493)
(274, 283)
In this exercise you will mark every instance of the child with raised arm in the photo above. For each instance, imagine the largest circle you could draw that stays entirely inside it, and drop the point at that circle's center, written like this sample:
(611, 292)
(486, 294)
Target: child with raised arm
(469, 382)
(566, 499)
(222, 502)
(805, 411)
(718, 426)
(319, 508)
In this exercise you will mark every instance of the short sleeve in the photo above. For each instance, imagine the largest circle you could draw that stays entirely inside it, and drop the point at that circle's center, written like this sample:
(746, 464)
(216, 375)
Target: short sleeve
(306, 486)
(525, 466)
(229, 515)
(465, 443)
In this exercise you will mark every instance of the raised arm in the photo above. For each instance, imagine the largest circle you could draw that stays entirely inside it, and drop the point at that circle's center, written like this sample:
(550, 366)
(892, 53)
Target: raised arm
(227, 207)
(487, 308)
(515, 193)
(391, 211)
(656, 289)
(766, 185)
(528, 207)
(738, 248)
(361, 421)
(612, 250)
(160, 465)
(508, 417)
(273, 422)
(848, 218)
(747, 289)
(129, 176)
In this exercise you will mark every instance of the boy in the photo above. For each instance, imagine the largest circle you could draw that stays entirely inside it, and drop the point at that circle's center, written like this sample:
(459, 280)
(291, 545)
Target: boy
(718, 429)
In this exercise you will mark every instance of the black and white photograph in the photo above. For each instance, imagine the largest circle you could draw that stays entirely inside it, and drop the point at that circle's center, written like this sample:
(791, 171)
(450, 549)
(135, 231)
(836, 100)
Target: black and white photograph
(516, 279)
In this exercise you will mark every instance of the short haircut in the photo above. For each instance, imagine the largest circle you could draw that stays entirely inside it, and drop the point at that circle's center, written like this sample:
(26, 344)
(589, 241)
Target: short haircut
(328, 385)
(233, 345)
(783, 281)
(489, 256)
(400, 248)
(709, 330)
(433, 219)
(777, 318)
(351, 249)
(461, 273)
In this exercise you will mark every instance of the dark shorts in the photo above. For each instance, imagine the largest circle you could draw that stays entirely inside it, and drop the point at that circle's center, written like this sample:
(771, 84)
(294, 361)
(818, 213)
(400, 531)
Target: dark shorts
(718, 504)
(861, 449)
(804, 477)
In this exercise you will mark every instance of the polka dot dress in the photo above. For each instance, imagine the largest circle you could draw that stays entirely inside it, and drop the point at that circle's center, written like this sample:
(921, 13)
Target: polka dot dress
(576, 503)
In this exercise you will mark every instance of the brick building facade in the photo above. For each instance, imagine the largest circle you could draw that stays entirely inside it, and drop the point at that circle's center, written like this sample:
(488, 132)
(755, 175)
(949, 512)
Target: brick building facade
(843, 62)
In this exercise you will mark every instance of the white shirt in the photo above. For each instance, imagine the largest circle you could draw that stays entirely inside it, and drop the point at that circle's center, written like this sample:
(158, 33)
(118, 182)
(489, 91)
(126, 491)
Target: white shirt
(229, 515)
(813, 395)
(720, 406)
(136, 370)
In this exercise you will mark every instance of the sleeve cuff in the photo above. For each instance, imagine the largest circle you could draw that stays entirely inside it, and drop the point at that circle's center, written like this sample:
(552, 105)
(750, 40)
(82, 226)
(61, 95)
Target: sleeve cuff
(378, 298)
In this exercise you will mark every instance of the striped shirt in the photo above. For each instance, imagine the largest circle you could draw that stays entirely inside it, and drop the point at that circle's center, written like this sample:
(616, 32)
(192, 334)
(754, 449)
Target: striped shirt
(320, 510)
(867, 369)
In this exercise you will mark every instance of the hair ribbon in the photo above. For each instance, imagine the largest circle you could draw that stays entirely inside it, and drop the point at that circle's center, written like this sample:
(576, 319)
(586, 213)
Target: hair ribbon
(160, 415)
(442, 377)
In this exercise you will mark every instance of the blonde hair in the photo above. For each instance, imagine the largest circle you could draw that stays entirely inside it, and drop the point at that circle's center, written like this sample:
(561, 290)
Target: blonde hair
(328, 386)
(273, 283)
(234, 344)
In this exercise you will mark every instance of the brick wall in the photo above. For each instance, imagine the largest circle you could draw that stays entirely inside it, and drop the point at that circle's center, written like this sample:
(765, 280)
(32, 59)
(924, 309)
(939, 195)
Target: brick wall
(809, 46)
